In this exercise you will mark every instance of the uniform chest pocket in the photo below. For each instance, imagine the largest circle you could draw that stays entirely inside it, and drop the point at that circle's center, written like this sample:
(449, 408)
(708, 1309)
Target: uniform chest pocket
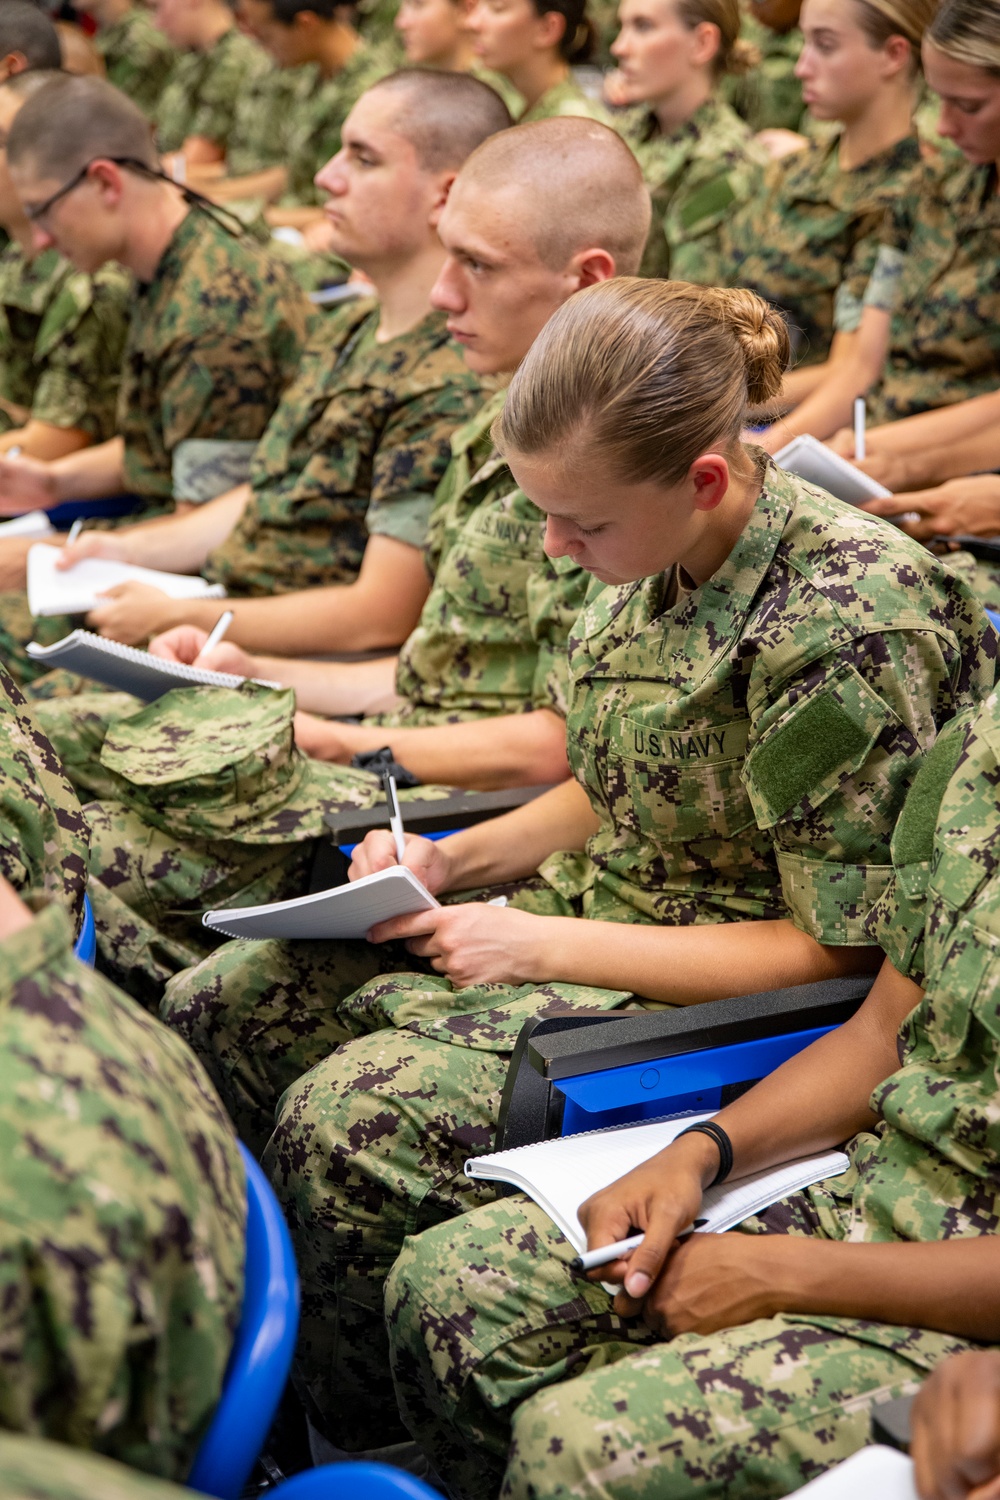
(673, 785)
(480, 584)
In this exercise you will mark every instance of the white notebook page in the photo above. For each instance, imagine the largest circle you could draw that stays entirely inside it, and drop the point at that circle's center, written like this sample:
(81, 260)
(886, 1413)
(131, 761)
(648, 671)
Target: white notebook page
(346, 911)
(75, 591)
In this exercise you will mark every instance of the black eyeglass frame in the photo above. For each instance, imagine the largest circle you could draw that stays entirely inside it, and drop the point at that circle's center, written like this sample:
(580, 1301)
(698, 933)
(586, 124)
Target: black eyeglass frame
(37, 213)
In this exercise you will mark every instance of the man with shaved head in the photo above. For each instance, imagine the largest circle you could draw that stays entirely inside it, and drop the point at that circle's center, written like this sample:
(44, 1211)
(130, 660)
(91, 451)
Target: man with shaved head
(480, 685)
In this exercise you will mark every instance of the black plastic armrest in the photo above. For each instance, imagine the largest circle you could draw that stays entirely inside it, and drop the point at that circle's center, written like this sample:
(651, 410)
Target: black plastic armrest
(643, 1036)
(460, 809)
(986, 549)
(891, 1423)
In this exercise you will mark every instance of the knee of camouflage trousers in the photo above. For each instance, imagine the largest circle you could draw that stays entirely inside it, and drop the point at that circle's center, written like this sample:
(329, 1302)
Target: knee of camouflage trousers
(261, 1014)
(369, 1148)
(504, 1358)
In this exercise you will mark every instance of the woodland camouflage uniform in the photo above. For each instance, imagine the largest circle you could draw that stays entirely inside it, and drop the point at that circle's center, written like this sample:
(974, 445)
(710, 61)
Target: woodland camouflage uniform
(204, 89)
(62, 337)
(496, 1341)
(137, 56)
(697, 177)
(758, 775)
(811, 237)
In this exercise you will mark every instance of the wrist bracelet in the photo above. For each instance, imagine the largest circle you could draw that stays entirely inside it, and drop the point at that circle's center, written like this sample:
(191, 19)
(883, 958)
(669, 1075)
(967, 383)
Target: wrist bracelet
(721, 1139)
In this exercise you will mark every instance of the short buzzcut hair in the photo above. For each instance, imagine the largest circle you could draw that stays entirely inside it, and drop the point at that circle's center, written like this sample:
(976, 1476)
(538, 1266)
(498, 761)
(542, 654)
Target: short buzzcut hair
(577, 185)
(72, 121)
(445, 116)
(27, 30)
(285, 11)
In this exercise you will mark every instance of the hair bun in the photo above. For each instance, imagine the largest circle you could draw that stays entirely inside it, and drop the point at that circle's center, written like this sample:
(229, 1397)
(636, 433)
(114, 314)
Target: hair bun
(763, 336)
(742, 57)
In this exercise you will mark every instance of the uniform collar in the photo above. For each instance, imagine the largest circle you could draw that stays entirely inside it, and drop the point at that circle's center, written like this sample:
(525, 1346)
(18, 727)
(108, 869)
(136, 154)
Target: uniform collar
(48, 941)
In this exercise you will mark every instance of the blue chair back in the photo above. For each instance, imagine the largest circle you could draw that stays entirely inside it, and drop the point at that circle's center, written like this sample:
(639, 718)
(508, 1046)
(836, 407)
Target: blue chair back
(85, 947)
(994, 619)
(356, 1482)
(262, 1350)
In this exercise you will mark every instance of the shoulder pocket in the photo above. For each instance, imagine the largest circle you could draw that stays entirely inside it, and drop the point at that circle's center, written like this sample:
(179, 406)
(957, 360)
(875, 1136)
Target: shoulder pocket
(815, 746)
(708, 202)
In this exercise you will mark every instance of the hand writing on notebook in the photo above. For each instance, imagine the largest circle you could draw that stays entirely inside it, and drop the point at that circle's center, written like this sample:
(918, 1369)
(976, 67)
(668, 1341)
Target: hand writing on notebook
(185, 644)
(427, 858)
(474, 943)
(962, 507)
(93, 544)
(133, 613)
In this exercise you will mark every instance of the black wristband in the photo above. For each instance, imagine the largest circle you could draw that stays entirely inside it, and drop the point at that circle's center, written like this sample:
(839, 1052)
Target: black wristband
(381, 761)
(721, 1139)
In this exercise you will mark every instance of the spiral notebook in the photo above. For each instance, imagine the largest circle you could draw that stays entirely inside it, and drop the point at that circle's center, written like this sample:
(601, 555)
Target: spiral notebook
(125, 669)
(561, 1174)
(814, 462)
(346, 911)
(76, 591)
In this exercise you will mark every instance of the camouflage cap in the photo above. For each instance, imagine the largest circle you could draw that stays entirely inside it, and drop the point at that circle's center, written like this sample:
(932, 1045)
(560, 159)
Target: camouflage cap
(218, 763)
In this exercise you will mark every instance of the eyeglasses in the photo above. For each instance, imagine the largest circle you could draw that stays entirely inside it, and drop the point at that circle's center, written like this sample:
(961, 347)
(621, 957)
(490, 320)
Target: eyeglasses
(38, 211)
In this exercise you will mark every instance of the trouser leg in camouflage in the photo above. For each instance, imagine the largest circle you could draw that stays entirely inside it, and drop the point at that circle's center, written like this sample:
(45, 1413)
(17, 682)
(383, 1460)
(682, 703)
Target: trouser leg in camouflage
(18, 627)
(370, 1147)
(518, 1378)
(260, 1014)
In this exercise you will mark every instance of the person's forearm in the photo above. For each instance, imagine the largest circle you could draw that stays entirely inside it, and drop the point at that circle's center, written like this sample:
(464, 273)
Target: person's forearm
(293, 217)
(44, 441)
(938, 429)
(512, 847)
(332, 688)
(978, 453)
(269, 184)
(181, 544)
(830, 407)
(513, 750)
(951, 1285)
(91, 473)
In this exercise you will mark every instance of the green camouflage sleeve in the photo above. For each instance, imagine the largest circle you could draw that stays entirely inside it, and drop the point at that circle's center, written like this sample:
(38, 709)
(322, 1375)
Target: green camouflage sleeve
(830, 758)
(556, 593)
(79, 355)
(412, 456)
(215, 110)
(699, 211)
(122, 1216)
(34, 1469)
(849, 300)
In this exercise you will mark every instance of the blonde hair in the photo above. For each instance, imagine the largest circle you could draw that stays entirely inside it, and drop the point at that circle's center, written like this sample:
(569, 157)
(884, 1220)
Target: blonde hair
(644, 376)
(969, 32)
(881, 19)
(735, 54)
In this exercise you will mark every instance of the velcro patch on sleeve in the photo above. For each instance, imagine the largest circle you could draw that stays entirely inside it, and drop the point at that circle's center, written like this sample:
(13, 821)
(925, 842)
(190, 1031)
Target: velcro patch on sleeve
(714, 198)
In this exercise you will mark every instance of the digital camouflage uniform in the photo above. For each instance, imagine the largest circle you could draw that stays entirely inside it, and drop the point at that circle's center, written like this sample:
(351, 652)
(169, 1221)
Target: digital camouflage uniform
(769, 97)
(62, 336)
(202, 92)
(263, 110)
(122, 1215)
(486, 1314)
(232, 817)
(213, 341)
(137, 56)
(312, 135)
(811, 237)
(938, 275)
(697, 178)
(746, 752)
(35, 1469)
(566, 98)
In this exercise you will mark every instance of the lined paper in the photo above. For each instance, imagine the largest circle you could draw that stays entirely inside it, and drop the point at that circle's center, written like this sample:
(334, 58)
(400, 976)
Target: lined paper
(347, 911)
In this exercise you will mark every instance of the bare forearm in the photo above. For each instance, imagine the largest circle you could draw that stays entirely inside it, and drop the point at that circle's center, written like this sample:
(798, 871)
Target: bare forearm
(827, 409)
(332, 688)
(293, 217)
(951, 1285)
(269, 184)
(976, 454)
(513, 846)
(43, 441)
(979, 418)
(91, 473)
(181, 544)
(514, 750)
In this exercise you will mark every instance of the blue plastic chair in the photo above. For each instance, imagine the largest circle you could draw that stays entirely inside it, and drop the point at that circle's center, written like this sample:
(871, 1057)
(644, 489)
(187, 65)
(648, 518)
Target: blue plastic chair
(994, 619)
(356, 1482)
(85, 947)
(262, 1351)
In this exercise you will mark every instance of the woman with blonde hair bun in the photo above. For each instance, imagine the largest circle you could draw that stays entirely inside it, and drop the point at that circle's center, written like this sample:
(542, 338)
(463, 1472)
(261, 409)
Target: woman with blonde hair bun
(810, 241)
(754, 681)
(696, 154)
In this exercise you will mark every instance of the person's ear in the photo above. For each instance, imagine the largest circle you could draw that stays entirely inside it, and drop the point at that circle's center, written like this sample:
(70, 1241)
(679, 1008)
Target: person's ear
(590, 266)
(13, 63)
(705, 43)
(550, 28)
(444, 183)
(709, 475)
(898, 55)
(110, 181)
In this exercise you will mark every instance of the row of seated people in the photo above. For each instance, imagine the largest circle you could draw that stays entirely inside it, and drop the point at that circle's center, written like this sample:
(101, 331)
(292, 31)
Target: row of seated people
(745, 705)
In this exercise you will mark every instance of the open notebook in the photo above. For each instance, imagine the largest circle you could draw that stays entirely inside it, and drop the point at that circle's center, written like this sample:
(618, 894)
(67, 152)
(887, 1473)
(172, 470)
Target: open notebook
(561, 1174)
(346, 911)
(124, 668)
(34, 523)
(76, 591)
(814, 462)
(874, 1473)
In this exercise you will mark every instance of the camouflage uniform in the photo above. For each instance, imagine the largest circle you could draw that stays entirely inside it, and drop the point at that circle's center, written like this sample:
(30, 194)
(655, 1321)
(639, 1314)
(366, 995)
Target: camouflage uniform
(122, 1216)
(486, 1314)
(257, 139)
(769, 97)
(62, 334)
(812, 237)
(213, 341)
(697, 176)
(203, 90)
(746, 752)
(137, 56)
(566, 98)
(34, 1469)
(322, 105)
(937, 274)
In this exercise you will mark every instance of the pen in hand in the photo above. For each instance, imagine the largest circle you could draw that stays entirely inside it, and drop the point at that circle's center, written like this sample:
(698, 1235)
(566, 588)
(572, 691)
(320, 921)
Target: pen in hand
(222, 624)
(591, 1259)
(74, 531)
(395, 820)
